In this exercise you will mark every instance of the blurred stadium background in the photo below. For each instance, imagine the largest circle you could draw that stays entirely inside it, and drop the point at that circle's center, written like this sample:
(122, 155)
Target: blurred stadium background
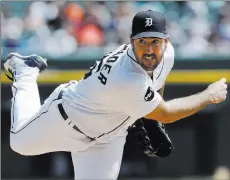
(72, 35)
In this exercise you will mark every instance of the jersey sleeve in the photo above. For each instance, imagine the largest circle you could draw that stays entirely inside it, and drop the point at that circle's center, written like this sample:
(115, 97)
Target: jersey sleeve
(139, 99)
(163, 72)
(169, 58)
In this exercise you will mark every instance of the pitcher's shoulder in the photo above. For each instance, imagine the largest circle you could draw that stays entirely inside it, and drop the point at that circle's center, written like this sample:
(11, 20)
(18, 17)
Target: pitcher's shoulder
(130, 80)
(170, 52)
(169, 56)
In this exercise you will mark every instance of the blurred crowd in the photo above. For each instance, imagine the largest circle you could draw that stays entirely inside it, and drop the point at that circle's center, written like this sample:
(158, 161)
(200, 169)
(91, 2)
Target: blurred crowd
(62, 28)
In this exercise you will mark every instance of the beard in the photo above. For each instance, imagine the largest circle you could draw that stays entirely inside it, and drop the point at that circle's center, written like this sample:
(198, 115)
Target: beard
(148, 64)
(149, 68)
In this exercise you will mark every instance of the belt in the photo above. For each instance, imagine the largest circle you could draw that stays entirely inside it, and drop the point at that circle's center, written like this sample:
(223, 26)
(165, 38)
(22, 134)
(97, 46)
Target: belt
(65, 116)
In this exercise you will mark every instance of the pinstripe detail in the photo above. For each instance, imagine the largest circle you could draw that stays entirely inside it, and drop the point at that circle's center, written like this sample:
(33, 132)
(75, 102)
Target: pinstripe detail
(114, 128)
(12, 108)
(34, 118)
(161, 68)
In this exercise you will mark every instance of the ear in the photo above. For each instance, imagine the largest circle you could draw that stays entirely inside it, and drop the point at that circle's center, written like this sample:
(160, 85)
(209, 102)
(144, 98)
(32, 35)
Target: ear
(166, 43)
(132, 41)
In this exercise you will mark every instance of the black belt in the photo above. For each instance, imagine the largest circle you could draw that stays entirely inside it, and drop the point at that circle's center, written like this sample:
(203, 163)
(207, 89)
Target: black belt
(65, 116)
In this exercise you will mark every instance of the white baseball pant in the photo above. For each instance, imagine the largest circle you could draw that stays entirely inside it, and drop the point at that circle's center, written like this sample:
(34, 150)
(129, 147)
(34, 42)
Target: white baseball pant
(37, 129)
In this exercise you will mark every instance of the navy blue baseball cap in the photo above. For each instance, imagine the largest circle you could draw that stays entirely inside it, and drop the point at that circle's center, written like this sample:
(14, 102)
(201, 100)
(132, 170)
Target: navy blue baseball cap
(149, 24)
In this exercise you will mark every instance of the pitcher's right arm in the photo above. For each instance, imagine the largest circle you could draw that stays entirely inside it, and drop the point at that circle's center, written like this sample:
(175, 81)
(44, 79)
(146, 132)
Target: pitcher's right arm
(176, 109)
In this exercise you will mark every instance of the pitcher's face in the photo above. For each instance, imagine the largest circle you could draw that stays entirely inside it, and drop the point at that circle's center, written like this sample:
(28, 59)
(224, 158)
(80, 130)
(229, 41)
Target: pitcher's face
(149, 51)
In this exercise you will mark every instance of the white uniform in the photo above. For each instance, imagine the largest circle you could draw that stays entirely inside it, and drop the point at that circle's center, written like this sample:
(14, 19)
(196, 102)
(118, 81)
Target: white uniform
(99, 108)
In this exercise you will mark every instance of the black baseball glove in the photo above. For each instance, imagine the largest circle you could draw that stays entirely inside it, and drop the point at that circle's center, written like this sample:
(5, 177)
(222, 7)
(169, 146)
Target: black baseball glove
(157, 143)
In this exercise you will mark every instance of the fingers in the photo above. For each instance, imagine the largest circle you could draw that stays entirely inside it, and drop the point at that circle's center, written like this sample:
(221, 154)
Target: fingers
(218, 91)
(223, 80)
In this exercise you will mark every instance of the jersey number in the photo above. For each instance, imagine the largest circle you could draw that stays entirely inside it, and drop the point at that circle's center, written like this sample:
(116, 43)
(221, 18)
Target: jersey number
(89, 73)
(106, 67)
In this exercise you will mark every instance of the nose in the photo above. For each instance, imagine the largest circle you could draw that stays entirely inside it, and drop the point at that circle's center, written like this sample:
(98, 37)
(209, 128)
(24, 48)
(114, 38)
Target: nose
(149, 50)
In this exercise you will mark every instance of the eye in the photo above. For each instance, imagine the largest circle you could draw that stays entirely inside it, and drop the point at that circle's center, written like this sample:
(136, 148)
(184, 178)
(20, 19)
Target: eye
(155, 41)
(142, 41)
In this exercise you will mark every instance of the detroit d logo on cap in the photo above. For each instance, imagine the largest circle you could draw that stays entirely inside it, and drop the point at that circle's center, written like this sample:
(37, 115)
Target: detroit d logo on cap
(149, 94)
(148, 22)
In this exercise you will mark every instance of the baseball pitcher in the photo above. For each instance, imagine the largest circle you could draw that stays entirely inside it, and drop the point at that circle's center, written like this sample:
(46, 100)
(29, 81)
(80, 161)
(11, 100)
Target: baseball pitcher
(90, 118)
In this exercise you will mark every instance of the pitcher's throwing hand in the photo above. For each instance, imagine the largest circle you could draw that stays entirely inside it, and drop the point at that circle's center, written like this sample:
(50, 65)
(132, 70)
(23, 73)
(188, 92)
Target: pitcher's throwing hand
(217, 91)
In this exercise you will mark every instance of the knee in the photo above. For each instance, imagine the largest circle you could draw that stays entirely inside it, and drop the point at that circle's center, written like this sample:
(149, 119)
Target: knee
(20, 148)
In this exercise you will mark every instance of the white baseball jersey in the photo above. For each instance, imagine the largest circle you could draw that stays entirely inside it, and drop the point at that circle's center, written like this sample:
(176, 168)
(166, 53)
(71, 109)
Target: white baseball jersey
(111, 97)
(115, 93)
